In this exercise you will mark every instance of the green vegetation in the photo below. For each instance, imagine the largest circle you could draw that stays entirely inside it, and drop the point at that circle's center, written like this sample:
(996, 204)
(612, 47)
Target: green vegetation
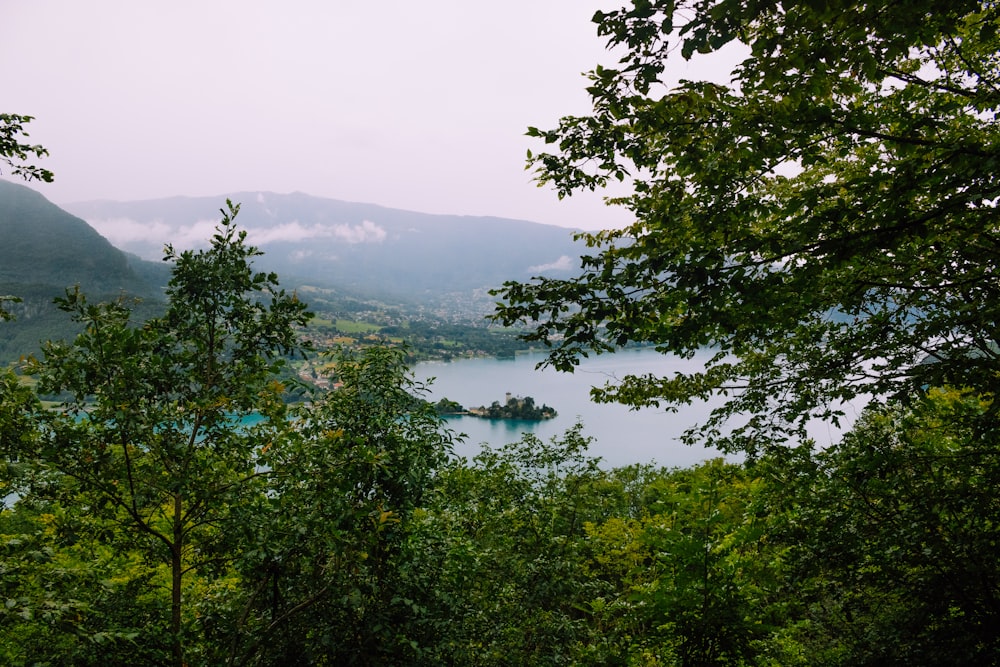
(15, 152)
(514, 407)
(352, 327)
(446, 406)
(176, 511)
(153, 526)
(44, 251)
(147, 433)
(827, 222)
(425, 336)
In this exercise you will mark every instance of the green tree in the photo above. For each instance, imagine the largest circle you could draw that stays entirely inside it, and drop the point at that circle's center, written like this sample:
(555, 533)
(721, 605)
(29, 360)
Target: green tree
(503, 538)
(891, 537)
(684, 570)
(150, 440)
(322, 574)
(70, 598)
(827, 223)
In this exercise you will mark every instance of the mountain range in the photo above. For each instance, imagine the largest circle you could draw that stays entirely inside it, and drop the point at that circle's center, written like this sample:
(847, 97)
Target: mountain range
(363, 248)
(356, 250)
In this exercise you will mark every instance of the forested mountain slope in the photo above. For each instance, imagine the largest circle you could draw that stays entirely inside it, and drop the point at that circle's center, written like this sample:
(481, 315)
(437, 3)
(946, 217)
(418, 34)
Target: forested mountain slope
(361, 247)
(43, 251)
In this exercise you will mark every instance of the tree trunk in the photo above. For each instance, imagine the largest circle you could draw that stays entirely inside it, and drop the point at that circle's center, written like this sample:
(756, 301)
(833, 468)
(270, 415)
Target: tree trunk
(176, 551)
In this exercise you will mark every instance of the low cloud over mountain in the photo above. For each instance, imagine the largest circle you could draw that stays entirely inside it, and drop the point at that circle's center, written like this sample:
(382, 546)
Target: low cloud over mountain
(147, 238)
(359, 246)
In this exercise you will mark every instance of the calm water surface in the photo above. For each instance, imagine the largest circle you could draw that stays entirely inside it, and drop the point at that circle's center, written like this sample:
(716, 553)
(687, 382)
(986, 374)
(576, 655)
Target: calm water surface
(620, 436)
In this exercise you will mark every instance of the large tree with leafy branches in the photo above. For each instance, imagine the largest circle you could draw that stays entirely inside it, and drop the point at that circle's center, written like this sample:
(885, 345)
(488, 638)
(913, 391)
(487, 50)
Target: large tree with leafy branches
(826, 223)
(149, 441)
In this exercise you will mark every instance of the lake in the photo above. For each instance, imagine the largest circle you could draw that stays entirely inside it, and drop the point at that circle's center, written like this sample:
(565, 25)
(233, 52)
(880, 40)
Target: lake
(621, 436)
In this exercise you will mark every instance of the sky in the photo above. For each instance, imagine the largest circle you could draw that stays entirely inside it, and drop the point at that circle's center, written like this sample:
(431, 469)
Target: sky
(415, 105)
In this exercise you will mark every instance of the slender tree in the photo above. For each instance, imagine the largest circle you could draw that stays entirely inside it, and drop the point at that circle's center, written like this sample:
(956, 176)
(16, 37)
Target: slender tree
(149, 434)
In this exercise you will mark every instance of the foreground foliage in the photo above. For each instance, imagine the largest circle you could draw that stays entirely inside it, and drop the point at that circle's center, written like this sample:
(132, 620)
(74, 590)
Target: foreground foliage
(364, 544)
(827, 222)
(893, 547)
(16, 153)
(147, 439)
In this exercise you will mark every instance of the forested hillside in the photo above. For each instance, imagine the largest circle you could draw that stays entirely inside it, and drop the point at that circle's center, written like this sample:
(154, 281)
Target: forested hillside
(366, 249)
(43, 252)
(44, 245)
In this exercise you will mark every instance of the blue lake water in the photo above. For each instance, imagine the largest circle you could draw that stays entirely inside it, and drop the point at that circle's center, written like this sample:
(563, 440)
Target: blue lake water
(620, 436)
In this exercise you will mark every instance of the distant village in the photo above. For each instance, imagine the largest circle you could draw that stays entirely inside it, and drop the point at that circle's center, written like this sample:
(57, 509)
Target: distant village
(425, 336)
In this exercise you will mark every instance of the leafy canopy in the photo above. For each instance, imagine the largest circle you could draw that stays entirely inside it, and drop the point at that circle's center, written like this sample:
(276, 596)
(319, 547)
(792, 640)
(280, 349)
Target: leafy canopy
(148, 438)
(827, 223)
(14, 151)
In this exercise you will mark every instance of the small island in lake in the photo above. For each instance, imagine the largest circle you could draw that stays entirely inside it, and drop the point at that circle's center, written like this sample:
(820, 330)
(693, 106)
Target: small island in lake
(515, 407)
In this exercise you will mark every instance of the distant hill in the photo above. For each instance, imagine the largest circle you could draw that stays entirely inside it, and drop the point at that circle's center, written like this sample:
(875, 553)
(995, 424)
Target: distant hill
(364, 248)
(442, 262)
(43, 251)
(42, 244)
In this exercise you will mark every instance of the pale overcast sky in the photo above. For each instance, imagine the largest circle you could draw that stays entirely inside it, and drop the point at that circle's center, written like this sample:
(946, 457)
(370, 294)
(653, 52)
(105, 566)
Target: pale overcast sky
(414, 105)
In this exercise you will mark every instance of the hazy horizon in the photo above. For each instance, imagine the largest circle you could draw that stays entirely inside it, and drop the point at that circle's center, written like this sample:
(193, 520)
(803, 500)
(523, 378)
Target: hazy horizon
(422, 107)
